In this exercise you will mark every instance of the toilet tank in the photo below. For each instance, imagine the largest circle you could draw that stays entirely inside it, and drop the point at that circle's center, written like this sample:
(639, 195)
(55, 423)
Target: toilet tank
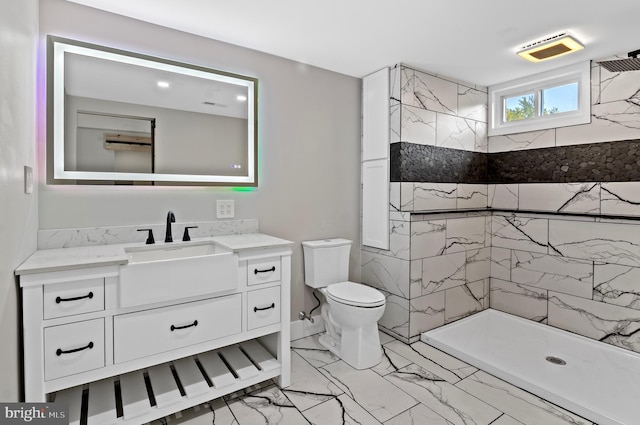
(326, 261)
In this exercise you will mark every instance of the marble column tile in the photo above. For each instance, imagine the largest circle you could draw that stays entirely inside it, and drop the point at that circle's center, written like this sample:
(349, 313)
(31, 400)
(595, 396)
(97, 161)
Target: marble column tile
(608, 323)
(560, 197)
(415, 278)
(520, 300)
(400, 239)
(518, 232)
(552, 272)
(395, 319)
(521, 141)
(482, 137)
(615, 243)
(472, 104)
(418, 126)
(394, 83)
(464, 234)
(419, 414)
(500, 263)
(455, 133)
(434, 196)
(394, 196)
(406, 197)
(426, 312)
(465, 300)
(615, 86)
(595, 83)
(310, 349)
(308, 386)
(428, 238)
(610, 121)
(371, 391)
(433, 360)
(407, 83)
(445, 399)
(621, 198)
(618, 285)
(478, 264)
(395, 126)
(503, 196)
(435, 94)
(443, 272)
(517, 403)
(341, 410)
(269, 407)
(472, 196)
(386, 273)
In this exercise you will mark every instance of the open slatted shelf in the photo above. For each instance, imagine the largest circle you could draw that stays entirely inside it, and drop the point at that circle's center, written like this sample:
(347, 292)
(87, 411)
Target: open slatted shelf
(144, 395)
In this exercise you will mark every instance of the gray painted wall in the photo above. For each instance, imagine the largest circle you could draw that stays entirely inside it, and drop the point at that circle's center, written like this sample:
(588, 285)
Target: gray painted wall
(309, 144)
(18, 47)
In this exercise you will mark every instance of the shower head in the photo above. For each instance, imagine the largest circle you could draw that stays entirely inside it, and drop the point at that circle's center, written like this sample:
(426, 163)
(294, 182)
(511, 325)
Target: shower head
(632, 63)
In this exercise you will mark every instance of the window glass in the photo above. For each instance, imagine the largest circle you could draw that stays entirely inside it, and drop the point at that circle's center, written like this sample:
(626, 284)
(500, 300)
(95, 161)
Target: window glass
(560, 99)
(518, 108)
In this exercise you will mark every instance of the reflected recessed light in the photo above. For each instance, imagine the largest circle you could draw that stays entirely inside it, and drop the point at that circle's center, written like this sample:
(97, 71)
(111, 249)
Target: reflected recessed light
(550, 47)
(241, 97)
(163, 84)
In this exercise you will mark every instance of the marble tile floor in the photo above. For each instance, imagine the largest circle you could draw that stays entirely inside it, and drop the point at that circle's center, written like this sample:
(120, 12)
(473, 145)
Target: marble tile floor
(414, 384)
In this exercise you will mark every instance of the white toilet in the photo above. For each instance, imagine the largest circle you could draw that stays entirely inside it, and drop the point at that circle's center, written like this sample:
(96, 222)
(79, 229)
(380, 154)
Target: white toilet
(351, 310)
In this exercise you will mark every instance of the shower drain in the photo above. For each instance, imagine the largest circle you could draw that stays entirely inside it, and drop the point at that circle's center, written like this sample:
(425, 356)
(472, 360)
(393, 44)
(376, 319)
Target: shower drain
(556, 360)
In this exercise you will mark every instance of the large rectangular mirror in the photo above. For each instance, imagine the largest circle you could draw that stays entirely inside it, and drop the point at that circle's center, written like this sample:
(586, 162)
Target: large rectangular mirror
(116, 117)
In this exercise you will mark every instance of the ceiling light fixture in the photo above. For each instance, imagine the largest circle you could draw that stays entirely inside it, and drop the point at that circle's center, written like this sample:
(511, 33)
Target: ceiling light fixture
(241, 98)
(550, 47)
(163, 84)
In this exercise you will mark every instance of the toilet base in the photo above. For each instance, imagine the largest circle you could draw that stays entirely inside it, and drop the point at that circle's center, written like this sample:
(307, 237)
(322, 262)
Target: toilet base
(360, 348)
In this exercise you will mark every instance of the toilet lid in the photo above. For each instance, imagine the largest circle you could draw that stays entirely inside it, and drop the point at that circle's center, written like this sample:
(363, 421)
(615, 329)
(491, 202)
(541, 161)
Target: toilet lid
(355, 294)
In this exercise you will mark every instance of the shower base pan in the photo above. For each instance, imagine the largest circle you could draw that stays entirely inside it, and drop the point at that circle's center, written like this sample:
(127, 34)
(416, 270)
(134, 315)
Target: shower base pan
(595, 380)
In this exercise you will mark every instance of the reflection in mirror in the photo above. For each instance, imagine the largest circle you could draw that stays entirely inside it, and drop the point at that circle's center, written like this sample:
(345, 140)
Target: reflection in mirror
(122, 118)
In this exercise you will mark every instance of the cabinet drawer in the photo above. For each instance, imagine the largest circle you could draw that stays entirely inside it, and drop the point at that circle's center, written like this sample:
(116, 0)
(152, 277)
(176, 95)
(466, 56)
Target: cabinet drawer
(158, 330)
(73, 348)
(69, 298)
(263, 270)
(263, 307)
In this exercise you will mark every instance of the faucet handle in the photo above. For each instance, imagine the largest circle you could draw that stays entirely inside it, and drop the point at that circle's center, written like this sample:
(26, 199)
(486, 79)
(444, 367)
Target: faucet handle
(150, 239)
(185, 236)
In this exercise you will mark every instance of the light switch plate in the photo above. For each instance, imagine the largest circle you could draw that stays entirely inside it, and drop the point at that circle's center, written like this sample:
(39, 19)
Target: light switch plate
(28, 179)
(225, 209)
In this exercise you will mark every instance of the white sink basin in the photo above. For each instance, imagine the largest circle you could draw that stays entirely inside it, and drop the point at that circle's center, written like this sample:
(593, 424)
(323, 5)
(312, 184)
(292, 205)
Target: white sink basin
(169, 272)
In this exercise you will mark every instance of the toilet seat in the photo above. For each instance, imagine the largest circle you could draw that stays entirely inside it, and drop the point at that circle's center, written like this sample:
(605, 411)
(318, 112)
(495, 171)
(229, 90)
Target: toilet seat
(355, 294)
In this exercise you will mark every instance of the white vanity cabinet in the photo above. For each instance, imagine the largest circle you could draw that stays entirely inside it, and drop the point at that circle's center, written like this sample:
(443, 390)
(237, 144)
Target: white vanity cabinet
(133, 364)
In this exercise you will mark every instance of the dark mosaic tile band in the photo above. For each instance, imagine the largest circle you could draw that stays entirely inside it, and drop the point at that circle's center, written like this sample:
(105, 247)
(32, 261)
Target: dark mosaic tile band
(412, 162)
(594, 162)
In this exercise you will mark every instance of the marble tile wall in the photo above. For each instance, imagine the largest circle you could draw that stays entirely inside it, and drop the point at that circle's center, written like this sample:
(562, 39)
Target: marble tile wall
(436, 271)
(575, 273)
(568, 255)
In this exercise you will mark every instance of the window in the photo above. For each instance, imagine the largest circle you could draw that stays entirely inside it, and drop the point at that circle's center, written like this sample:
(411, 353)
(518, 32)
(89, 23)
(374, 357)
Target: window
(556, 98)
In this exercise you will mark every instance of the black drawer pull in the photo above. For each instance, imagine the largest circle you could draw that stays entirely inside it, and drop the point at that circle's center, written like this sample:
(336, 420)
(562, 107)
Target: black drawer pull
(173, 327)
(272, 269)
(60, 352)
(59, 300)
(256, 309)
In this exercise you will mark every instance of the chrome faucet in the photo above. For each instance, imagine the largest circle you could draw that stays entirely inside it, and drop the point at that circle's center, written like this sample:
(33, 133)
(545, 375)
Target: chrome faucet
(170, 219)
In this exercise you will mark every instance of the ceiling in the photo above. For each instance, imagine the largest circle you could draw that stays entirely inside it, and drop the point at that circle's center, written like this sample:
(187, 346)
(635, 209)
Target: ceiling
(471, 40)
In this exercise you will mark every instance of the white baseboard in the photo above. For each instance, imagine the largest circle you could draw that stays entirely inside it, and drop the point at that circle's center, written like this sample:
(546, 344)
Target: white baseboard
(304, 328)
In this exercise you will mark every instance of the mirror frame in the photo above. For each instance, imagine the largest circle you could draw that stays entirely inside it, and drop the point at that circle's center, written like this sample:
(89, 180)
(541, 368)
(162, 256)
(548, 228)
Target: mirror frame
(56, 174)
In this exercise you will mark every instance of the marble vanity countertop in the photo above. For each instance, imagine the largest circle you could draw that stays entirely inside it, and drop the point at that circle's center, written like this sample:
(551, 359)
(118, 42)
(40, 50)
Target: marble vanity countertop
(60, 259)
